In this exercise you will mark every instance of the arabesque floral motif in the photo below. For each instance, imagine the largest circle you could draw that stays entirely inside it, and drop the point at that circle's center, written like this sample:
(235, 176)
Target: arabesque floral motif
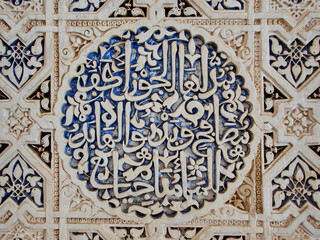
(183, 9)
(196, 167)
(271, 150)
(19, 181)
(298, 183)
(86, 5)
(19, 121)
(271, 96)
(226, 4)
(20, 232)
(84, 236)
(235, 237)
(299, 122)
(159, 119)
(18, 62)
(43, 150)
(19, 8)
(42, 94)
(300, 233)
(128, 9)
(295, 62)
(130, 232)
(296, 8)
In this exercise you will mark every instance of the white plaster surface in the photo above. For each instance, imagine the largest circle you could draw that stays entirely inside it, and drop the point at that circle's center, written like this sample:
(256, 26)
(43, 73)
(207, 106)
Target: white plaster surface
(159, 119)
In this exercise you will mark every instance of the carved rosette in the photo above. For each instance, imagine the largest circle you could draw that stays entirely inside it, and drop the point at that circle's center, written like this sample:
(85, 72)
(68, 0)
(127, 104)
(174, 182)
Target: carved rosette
(157, 122)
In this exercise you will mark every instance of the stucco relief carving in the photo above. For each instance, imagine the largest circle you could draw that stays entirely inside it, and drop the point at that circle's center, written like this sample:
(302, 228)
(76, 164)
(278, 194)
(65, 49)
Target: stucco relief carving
(159, 119)
(19, 231)
(17, 9)
(19, 121)
(298, 183)
(299, 121)
(295, 62)
(19, 181)
(295, 8)
(19, 62)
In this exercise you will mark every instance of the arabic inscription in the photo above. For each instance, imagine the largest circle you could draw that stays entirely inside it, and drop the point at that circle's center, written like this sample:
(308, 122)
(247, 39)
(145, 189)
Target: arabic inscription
(157, 122)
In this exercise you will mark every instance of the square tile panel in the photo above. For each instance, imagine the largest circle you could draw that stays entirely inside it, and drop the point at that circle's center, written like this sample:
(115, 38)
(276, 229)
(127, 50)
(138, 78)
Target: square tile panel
(159, 119)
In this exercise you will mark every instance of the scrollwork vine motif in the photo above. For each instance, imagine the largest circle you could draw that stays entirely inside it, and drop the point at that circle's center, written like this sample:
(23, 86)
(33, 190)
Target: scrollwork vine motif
(18, 62)
(86, 5)
(296, 8)
(18, 8)
(298, 183)
(74, 200)
(238, 42)
(81, 38)
(295, 62)
(85, 236)
(226, 4)
(19, 181)
(19, 231)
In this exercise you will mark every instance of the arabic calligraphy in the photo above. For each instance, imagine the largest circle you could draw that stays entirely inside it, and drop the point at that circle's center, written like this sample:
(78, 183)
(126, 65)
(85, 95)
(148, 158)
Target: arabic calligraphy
(157, 122)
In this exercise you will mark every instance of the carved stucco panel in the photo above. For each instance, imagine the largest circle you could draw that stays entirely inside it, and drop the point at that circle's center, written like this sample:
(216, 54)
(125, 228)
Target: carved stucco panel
(161, 119)
(142, 95)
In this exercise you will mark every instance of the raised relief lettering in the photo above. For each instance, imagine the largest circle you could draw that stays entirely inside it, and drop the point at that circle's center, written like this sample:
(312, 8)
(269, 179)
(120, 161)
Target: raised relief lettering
(157, 122)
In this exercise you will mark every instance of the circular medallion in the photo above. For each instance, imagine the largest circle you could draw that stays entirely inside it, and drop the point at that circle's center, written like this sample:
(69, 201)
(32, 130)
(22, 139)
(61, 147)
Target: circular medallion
(156, 122)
